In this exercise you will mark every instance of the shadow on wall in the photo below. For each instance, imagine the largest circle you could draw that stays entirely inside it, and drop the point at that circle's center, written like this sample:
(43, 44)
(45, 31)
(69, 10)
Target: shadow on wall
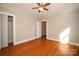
(64, 36)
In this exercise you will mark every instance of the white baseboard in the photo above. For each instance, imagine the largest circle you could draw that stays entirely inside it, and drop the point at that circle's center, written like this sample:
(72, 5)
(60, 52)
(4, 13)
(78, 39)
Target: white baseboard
(26, 40)
(20, 42)
(53, 39)
(72, 43)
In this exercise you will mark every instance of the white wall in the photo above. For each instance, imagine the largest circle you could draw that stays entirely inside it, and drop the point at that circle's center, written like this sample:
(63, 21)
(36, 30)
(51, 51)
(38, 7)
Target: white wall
(57, 23)
(24, 25)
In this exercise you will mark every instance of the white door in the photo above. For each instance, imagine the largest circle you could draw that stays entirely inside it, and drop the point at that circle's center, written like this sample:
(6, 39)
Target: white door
(4, 30)
(38, 29)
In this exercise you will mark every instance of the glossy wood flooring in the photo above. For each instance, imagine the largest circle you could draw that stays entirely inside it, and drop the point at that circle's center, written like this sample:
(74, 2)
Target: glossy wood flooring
(41, 47)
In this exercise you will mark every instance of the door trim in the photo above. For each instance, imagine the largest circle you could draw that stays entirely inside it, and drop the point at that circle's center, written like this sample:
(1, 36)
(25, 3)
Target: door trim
(14, 26)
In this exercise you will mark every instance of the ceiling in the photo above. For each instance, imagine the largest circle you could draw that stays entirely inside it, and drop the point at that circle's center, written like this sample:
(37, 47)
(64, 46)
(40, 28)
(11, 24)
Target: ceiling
(54, 8)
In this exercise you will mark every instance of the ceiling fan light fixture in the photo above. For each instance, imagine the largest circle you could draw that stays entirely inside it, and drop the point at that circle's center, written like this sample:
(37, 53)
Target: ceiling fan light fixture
(41, 9)
(43, 3)
(42, 6)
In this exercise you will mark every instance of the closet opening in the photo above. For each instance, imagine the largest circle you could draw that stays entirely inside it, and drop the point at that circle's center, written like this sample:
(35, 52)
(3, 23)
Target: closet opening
(10, 31)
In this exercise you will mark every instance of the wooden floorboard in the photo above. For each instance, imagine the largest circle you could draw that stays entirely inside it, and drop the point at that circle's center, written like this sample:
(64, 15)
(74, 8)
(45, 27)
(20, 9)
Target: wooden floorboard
(41, 47)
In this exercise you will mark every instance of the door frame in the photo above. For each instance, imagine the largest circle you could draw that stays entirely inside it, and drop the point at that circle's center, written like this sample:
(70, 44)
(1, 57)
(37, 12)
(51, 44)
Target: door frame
(14, 31)
(38, 25)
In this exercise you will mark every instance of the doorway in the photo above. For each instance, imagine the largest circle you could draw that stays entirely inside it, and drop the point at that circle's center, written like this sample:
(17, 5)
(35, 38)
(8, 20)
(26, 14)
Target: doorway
(10, 30)
(7, 30)
(43, 29)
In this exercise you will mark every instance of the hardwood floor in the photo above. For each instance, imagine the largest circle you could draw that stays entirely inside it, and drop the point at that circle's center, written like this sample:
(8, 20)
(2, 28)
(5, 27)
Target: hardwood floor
(41, 47)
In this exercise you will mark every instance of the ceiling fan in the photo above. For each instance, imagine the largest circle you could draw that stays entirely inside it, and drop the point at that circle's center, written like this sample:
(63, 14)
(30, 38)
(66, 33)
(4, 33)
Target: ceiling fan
(42, 6)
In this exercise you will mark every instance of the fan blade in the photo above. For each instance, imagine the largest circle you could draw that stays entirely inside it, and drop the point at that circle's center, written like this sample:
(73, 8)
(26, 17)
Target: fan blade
(35, 8)
(45, 9)
(38, 4)
(46, 4)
